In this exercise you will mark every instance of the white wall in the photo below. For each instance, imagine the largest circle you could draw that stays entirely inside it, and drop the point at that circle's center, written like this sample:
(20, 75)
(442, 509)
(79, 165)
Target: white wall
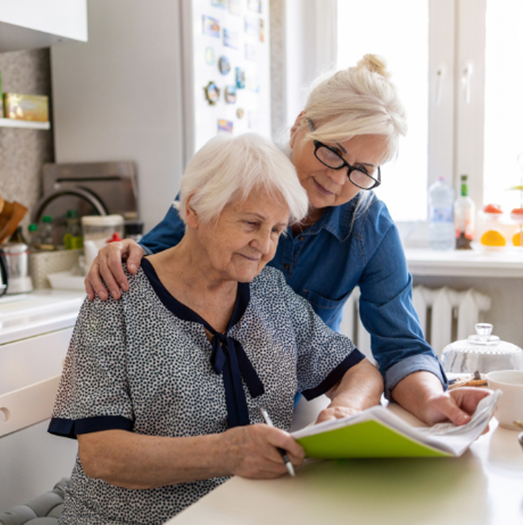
(119, 96)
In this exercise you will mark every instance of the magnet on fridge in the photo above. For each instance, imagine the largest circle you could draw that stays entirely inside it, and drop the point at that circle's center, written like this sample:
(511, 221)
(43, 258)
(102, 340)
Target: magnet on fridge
(240, 113)
(219, 3)
(224, 126)
(234, 7)
(240, 78)
(224, 65)
(250, 51)
(253, 83)
(212, 93)
(230, 38)
(209, 56)
(211, 26)
(230, 94)
(252, 26)
(254, 5)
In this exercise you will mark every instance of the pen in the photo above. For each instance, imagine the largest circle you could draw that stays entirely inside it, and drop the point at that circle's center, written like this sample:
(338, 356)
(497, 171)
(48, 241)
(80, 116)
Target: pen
(283, 454)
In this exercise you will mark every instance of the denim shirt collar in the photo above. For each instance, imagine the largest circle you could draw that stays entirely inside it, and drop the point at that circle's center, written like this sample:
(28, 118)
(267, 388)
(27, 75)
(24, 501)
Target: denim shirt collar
(337, 220)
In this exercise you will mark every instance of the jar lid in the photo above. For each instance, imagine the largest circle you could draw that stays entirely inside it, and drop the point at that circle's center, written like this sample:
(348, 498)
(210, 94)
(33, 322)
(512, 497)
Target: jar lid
(102, 220)
(484, 341)
(14, 248)
(483, 352)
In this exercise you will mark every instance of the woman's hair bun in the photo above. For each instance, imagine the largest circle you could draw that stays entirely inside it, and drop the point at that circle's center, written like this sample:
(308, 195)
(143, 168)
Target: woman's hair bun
(375, 64)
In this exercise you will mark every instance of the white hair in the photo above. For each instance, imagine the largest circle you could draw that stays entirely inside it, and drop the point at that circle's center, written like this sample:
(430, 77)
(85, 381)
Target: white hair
(227, 169)
(359, 100)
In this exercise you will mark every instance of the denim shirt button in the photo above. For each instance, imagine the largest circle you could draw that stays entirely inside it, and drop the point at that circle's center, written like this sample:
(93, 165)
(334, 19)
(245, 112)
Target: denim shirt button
(301, 238)
(287, 266)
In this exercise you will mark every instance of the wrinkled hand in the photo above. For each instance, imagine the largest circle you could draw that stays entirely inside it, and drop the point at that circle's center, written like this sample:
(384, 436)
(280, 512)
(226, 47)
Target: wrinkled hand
(456, 406)
(335, 412)
(108, 266)
(252, 453)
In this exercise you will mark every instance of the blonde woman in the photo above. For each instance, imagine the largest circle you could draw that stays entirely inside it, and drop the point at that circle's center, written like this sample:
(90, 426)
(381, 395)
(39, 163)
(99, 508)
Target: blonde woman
(339, 144)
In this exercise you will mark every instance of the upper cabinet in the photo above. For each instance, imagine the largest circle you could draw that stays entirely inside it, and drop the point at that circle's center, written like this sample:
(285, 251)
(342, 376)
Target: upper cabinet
(29, 24)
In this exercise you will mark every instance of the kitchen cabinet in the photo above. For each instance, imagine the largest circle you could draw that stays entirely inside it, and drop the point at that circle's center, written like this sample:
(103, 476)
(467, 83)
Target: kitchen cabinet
(35, 330)
(30, 24)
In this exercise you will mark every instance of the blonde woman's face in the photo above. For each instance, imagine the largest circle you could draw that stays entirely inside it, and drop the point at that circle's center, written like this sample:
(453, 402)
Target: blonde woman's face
(327, 187)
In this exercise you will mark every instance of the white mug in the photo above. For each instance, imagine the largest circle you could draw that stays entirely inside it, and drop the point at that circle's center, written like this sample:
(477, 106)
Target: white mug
(510, 404)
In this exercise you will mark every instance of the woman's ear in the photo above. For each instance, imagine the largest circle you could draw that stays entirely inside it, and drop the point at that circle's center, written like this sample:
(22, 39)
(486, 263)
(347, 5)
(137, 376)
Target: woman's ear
(294, 129)
(191, 218)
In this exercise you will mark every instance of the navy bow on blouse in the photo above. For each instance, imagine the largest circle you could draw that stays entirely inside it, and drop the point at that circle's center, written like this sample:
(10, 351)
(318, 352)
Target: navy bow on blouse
(228, 356)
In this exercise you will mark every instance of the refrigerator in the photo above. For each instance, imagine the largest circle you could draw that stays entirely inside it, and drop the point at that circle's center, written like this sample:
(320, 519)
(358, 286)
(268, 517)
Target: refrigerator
(156, 80)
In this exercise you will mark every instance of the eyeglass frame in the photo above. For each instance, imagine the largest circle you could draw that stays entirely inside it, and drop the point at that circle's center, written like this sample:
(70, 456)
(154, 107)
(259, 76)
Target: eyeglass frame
(350, 168)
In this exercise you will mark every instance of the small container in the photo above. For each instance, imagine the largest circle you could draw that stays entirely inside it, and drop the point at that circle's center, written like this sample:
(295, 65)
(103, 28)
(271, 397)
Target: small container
(73, 239)
(47, 239)
(97, 230)
(517, 236)
(482, 352)
(101, 228)
(17, 261)
(493, 236)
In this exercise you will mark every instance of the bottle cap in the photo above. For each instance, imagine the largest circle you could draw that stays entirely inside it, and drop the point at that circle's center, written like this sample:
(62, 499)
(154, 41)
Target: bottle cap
(32, 227)
(72, 214)
(47, 218)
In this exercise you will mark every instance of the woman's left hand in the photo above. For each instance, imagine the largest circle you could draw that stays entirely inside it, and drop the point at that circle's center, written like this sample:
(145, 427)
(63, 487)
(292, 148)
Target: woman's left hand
(457, 405)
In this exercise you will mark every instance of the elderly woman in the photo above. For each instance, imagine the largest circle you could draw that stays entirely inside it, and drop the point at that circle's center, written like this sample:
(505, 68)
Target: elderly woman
(349, 128)
(163, 387)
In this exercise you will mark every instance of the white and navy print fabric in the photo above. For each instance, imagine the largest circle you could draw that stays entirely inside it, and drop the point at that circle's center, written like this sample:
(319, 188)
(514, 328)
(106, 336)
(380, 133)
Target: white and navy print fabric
(144, 364)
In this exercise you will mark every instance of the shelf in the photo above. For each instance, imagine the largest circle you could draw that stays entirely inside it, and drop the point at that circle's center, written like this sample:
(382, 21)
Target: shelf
(28, 124)
(473, 263)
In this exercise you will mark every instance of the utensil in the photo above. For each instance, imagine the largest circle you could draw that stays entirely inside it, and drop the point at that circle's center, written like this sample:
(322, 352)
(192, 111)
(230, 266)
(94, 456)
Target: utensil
(3, 274)
(10, 216)
(482, 352)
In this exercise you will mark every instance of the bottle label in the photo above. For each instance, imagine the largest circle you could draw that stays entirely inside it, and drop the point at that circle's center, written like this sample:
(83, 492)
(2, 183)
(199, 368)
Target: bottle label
(442, 215)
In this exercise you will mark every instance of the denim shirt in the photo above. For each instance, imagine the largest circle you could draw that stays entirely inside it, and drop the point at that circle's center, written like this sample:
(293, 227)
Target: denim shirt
(324, 264)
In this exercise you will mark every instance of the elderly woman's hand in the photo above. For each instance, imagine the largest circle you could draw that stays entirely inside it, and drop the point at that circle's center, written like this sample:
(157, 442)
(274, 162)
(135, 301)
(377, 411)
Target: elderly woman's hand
(108, 266)
(253, 454)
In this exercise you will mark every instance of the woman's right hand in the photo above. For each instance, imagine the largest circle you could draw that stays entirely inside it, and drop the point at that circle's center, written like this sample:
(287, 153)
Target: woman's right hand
(107, 268)
(252, 451)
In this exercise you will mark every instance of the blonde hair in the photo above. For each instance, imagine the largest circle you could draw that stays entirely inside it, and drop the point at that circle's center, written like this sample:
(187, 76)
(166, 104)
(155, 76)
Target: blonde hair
(360, 100)
(226, 169)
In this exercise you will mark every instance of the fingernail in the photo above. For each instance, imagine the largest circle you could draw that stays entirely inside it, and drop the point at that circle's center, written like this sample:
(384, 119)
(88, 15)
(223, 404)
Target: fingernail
(132, 267)
(123, 286)
(114, 294)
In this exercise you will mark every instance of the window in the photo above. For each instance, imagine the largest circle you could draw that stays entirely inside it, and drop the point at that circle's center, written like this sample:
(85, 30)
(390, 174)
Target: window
(405, 47)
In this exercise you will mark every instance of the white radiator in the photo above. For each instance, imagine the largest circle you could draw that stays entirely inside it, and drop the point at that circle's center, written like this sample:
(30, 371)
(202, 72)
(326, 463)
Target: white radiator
(445, 314)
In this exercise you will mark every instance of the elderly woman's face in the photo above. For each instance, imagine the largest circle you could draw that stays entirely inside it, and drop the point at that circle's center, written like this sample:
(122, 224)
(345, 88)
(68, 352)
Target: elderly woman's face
(245, 236)
(327, 187)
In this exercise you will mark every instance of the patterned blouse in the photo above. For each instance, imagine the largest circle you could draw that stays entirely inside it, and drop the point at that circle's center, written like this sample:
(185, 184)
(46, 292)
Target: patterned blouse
(144, 364)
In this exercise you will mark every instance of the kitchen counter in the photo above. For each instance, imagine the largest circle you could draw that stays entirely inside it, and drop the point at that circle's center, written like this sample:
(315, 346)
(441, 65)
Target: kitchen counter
(38, 312)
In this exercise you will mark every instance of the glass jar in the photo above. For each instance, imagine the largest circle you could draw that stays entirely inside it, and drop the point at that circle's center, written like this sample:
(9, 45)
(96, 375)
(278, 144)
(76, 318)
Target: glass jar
(482, 352)
(97, 230)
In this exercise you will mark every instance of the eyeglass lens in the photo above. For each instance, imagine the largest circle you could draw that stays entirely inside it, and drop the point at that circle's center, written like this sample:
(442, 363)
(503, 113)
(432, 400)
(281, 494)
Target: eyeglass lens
(333, 160)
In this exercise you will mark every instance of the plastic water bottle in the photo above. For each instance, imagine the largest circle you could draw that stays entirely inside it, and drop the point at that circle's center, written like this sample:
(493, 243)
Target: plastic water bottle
(441, 206)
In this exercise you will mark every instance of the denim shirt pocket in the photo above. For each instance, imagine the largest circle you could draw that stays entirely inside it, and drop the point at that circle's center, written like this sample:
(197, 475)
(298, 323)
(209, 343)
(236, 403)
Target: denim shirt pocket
(328, 309)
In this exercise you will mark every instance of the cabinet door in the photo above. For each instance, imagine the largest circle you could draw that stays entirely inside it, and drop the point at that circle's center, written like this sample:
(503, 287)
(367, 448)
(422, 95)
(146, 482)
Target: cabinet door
(26, 24)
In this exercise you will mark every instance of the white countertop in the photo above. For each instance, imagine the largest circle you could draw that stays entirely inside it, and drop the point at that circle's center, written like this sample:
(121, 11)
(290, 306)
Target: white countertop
(482, 487)
(38, 312)
(479, 262)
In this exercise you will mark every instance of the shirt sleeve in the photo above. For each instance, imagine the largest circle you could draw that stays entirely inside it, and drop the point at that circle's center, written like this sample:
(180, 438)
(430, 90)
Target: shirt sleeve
(387, 312)
(93, 394)
(164, 235)
(323, 356)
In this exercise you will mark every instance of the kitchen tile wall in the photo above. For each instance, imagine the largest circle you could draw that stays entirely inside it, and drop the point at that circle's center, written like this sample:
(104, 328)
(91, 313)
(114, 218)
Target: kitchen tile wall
(24, 151)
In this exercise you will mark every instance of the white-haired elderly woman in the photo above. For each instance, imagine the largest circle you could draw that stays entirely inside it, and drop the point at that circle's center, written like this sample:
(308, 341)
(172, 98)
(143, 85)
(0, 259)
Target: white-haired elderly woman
(163, 386)
(349, 128)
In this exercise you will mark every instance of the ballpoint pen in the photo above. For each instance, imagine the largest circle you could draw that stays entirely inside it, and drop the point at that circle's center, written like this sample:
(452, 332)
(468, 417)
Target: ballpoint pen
(283, 454)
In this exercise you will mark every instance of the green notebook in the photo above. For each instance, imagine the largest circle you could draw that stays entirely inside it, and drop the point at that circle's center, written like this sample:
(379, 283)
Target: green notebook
(378, 433)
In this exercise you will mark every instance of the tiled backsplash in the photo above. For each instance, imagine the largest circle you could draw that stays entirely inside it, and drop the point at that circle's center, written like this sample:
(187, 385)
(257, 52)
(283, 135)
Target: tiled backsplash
(24, 151)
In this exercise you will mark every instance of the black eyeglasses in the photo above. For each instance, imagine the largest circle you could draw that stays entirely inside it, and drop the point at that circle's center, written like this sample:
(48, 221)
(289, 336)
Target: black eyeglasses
(358, 175)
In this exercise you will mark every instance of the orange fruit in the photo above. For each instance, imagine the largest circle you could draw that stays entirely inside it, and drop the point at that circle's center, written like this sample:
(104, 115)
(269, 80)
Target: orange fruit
(493, 238)
(516, 240)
